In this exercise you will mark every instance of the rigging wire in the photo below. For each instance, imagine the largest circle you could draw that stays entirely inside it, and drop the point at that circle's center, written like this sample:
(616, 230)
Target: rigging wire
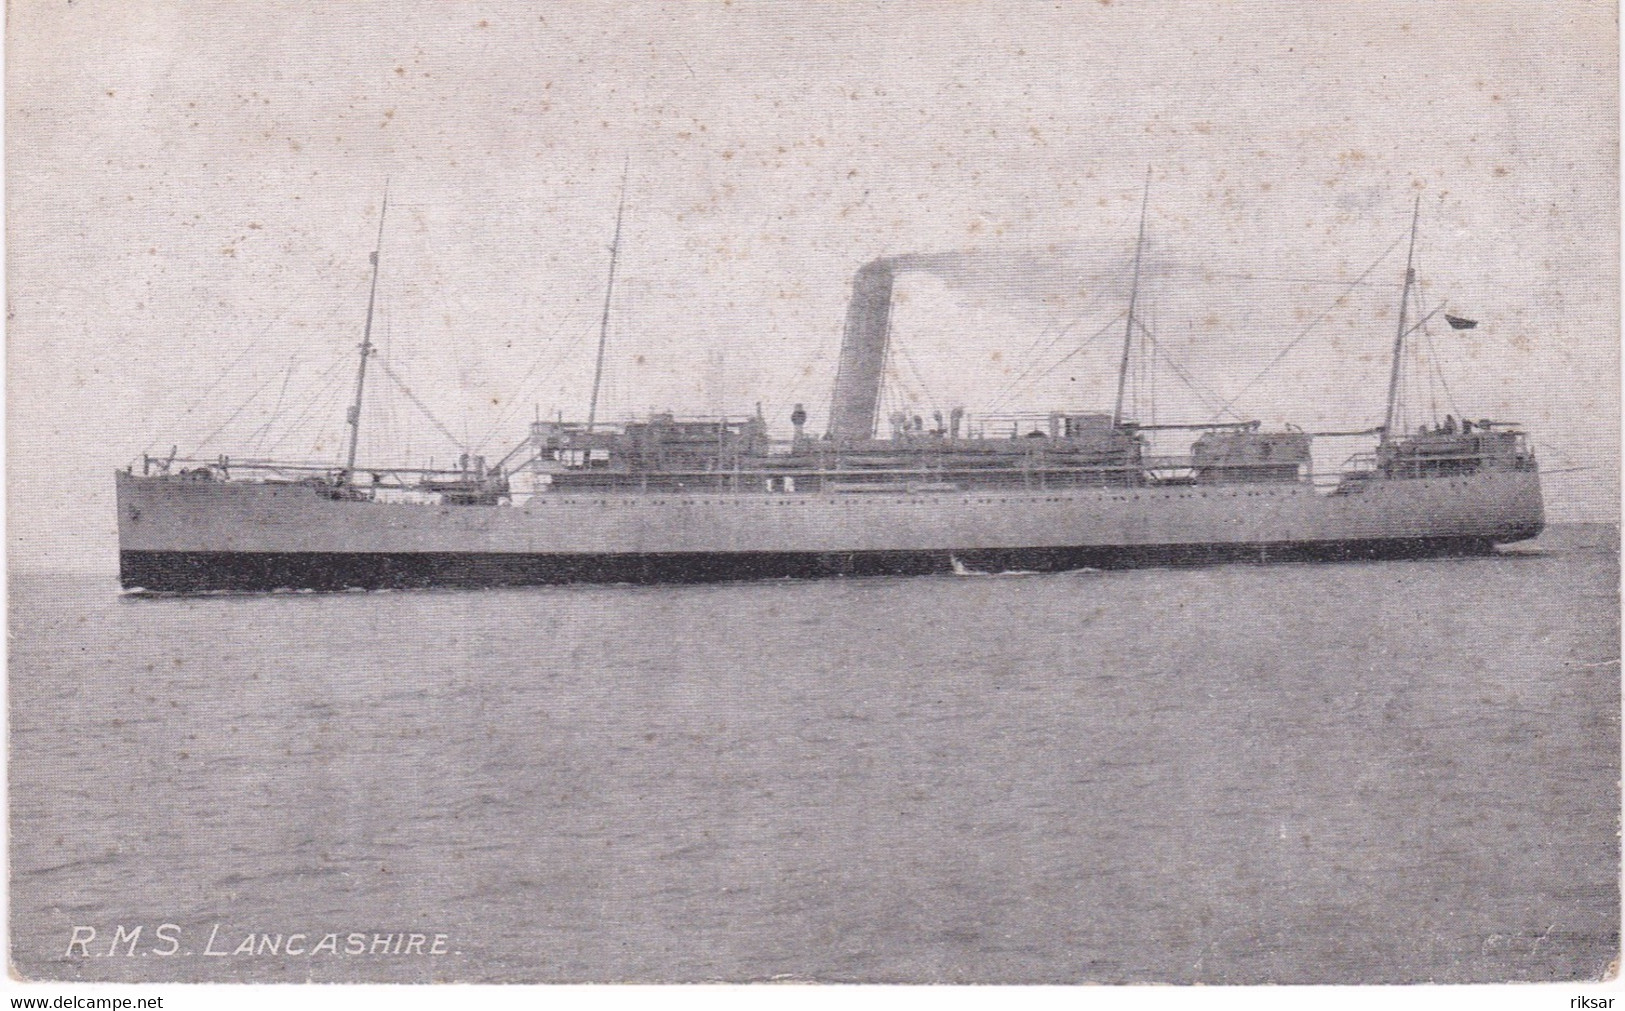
(1134, 374)
(550, 370)
(218, 379)
(323, 382)
(1409, 385)
(233, 416)
(999, 404)
(331, 428)
(386, 409)
(248, 347)
(527, 392)
(896, 395)
(1206, 395)
(333, 395)
(905, 397)
(1450, 397)
(1410, 382)
(1433, 357)
(783, 390)
(1014, 386)
(1306, 330)
(892, 401)
(1141, 380)
(931, 402)
(257, 437)
(1285, 280)
(1150, 355)
(323, 397)
(1433, 387)
(413, 397)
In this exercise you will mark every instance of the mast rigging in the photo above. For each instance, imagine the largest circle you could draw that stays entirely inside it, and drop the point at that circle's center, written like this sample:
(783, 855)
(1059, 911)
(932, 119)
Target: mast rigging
(1399, 332)
(366, 348)
(1133, 296)
(609, 292)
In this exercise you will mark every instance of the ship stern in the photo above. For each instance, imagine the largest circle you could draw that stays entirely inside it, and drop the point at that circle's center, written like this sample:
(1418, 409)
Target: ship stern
(1524, 511)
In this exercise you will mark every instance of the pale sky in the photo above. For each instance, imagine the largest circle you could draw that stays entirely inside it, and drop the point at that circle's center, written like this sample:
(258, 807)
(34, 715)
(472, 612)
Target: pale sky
(194, 190)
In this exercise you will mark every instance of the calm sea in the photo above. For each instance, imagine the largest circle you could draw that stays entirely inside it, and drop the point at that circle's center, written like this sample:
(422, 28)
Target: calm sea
(1367, 772)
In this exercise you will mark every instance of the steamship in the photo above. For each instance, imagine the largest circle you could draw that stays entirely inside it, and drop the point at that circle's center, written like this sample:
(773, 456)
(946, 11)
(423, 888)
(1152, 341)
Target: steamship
(674, 499)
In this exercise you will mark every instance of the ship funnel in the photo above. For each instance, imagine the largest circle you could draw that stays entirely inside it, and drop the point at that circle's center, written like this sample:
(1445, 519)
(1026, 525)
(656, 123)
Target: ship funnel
(863, 353)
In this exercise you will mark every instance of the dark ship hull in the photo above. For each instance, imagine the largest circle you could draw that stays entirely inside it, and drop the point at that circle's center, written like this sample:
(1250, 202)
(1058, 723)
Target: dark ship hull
(241, 572)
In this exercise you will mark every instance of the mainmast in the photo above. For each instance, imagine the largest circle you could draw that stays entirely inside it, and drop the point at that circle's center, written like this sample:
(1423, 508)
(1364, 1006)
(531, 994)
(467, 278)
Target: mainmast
(609, 291)
(1133, 296)
(366, 349)
(1399, 333)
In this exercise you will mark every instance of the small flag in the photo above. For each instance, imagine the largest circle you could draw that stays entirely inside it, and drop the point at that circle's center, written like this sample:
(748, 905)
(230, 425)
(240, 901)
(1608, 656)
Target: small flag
(1457, 323)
